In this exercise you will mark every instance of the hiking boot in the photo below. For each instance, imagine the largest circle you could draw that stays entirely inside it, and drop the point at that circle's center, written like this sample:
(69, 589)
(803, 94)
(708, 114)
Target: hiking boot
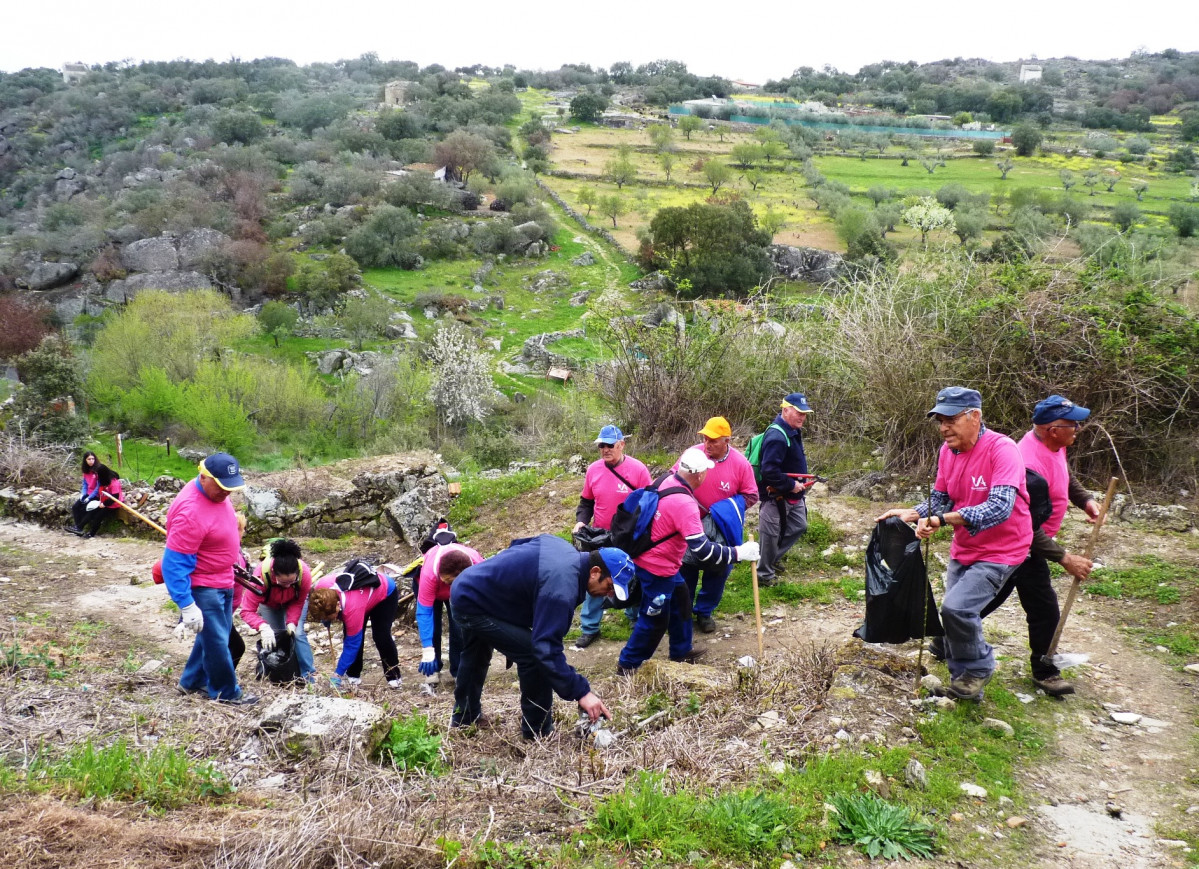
(187, 691)
(625, 671)
(1054, 686)
(936, 648)
(72, 529)
(968, 687)
(240, 700)
(767, 581)
(586, 640)
(691, 657)
(395, 683)
(707, 624)
(353, 682)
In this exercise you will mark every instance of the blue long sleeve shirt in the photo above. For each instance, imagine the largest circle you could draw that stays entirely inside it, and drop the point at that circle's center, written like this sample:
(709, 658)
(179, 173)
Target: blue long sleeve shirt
(536, 583)
(782, 454)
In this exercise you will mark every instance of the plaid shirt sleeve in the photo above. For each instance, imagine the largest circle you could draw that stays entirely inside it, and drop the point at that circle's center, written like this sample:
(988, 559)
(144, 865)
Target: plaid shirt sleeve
(941, 504)
(988, 514)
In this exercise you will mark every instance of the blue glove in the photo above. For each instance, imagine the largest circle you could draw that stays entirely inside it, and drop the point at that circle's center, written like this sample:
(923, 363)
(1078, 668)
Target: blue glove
(335, 681)
(428, 661)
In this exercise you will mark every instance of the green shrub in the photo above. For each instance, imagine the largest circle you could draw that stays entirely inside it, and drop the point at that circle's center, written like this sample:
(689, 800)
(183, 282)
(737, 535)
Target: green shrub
(409, 745)
(880, 829)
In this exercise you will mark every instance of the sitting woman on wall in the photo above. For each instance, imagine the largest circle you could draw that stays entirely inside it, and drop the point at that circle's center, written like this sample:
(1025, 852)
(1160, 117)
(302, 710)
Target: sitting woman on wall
(354, 595)
(88, 491)
(108, 493)
(283, 608)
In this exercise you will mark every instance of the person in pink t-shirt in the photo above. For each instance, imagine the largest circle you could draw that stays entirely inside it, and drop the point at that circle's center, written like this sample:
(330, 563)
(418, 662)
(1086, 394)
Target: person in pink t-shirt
(665, 599)
(980, 491)
(608, 482)
(731, 485)
(1056, 422)
(443, 562)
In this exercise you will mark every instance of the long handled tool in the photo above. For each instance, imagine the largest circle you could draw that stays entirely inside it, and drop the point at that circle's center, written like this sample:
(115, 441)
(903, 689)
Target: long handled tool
(928, 541)
(1077, 583)
(753, 572)
(141, 516)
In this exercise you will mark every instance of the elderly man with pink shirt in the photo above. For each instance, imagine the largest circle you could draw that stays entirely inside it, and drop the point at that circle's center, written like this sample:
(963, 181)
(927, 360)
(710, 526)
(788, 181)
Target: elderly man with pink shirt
(665, 599)
(728, 490)
(981, 492)
(608, 481)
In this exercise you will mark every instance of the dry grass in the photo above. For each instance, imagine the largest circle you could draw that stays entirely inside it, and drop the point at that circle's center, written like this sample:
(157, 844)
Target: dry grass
(26, 463)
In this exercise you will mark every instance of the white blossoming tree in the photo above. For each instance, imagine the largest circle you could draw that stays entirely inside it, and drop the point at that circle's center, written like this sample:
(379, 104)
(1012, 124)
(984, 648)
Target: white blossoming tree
(926, 215)
(462, 386)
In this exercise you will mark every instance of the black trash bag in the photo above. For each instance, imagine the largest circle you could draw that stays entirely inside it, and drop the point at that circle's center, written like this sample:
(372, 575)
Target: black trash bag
(589, 538)
(280, 664)
(897, 587)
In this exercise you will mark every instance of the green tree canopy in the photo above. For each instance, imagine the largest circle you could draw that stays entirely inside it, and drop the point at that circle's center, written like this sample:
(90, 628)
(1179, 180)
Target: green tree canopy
(719, 248)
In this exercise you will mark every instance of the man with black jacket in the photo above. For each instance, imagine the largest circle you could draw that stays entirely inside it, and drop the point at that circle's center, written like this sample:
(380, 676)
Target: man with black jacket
(520, 602)
(783, 515)
(609, 480)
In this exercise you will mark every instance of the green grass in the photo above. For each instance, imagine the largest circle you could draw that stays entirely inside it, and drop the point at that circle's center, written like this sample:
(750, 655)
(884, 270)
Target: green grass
(477, 491)
(144, 459)
(409, 745)
(162, 778)
(1150, 578)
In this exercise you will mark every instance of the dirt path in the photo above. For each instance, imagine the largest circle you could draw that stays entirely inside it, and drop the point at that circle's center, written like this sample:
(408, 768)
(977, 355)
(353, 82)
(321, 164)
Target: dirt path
(1148, 770)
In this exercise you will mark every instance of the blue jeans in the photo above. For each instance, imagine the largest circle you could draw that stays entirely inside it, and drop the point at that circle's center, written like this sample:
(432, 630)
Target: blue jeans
(480, 635)
(648, 630)
(591, 614)
(711, 586)
(209, 667)
(277, 619)
(968, 589)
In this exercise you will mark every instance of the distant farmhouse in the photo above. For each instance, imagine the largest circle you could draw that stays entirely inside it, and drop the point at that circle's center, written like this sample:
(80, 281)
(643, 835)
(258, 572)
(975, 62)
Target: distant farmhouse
(395, 93)
(1030, 72)
(73, 73)
(745, 85)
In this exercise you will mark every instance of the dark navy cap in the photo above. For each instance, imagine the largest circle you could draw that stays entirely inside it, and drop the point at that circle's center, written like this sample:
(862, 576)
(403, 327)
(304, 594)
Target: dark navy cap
(798, 401)
(1056, 407)
(223, 468)
(952, 400)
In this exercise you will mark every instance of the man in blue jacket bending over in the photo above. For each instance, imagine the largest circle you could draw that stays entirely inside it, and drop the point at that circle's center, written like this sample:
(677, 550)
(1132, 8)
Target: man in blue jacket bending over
(520, 603)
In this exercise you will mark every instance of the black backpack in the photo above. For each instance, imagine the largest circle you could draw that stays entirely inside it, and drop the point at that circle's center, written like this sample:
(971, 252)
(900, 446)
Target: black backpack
(357, 574)
(1040, 507)
(632, 526)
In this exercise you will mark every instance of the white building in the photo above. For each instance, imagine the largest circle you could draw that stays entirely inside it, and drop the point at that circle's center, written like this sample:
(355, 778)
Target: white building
(1029, 72)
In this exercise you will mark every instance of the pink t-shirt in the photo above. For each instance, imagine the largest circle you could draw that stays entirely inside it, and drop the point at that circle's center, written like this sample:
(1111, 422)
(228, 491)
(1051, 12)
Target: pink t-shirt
(208, 530)
(675, 513)
(1052, 466)
(356, 604)
(733, 475)
(290, 599)
(430, 588)
(967, 478)
(602, 486)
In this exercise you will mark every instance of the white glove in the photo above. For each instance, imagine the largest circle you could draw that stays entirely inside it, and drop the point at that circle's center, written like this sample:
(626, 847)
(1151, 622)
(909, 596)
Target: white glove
(193, 619)
(267, 637)
(748, 551)
(428, 655)
(93, 505)
(291, 630)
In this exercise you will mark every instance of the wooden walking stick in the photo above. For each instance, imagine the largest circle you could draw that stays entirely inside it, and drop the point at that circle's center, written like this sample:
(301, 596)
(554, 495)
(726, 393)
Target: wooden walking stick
(928, 542)
(141, 516)
(753, 572)
(1077, 583)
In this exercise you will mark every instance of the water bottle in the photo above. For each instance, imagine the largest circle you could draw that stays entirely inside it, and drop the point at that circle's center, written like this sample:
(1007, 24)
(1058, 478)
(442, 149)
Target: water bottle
(655, 605)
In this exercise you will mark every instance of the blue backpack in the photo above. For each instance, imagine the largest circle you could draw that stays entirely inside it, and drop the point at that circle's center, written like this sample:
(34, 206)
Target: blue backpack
(632, 526)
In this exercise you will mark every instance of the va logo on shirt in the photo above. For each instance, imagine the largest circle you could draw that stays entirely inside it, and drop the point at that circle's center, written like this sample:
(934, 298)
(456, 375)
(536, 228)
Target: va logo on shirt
(724, 486)
(978, 482)
(622, 488)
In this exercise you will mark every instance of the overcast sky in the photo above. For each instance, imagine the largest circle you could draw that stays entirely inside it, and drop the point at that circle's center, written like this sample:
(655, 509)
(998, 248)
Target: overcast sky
(754, 42)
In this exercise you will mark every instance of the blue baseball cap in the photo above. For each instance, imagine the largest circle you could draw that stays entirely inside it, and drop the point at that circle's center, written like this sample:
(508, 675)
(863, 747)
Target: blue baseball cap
(1056, 407)
(952, 400)
(620, 566)
(798, 401)
(609, 434)
(225, 469)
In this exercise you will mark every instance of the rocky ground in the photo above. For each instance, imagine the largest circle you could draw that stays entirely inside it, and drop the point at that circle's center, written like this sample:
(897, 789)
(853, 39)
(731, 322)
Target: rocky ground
(1105, 794)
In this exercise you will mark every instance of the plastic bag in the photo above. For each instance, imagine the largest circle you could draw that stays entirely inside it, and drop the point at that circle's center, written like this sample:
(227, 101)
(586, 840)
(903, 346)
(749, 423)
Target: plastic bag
(897, 587)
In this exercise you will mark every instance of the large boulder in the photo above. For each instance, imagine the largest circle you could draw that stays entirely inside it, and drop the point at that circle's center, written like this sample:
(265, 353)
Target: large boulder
(806, 263)
(151, 255)
(262, 503)
(196, 244)
(46, 276)
(318, 724)
(172, 282)
(414, 512)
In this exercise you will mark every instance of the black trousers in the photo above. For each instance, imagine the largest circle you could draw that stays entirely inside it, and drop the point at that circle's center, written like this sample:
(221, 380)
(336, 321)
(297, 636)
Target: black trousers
(1035, 589)
(381, 619)
(480, 636)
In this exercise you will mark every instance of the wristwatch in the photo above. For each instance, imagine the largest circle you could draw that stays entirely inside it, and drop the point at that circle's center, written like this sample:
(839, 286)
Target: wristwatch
(940, 520)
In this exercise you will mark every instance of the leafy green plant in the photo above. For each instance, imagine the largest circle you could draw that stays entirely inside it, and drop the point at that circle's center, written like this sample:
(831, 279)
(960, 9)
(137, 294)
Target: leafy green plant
(645, 814)
(13, 658)
(881, 829)
(409, 745)
(747, 822)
